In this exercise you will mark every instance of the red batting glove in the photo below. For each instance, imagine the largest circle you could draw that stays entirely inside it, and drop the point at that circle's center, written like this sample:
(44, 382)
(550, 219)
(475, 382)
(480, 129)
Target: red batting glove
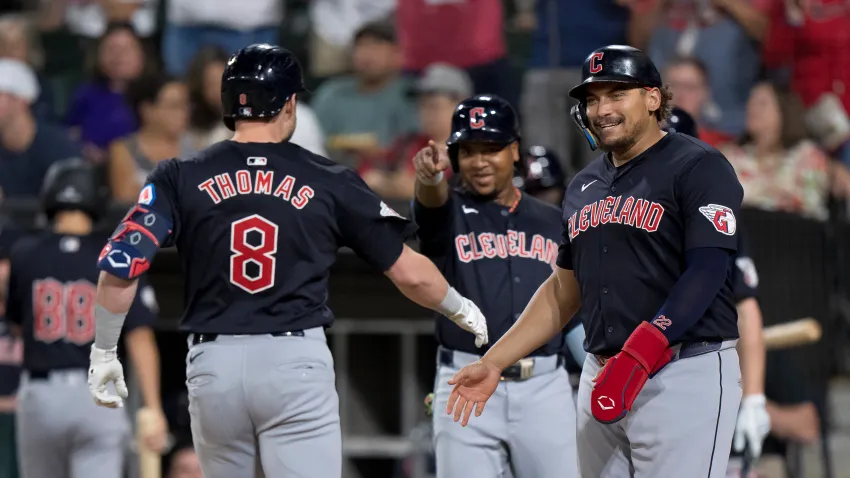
(623, 377)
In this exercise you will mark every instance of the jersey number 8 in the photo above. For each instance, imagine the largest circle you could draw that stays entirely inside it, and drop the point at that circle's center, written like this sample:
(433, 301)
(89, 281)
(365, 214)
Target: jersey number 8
(253, 240)
(63, 311)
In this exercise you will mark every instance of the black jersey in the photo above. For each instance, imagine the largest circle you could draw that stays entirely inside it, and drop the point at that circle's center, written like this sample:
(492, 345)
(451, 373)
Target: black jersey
(497, 256)
(258, 226)
(746, 279)
(52, 289)
(627, 229)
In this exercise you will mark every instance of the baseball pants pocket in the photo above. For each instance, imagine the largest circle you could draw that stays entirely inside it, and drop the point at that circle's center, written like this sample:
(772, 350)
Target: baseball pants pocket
(478, 450)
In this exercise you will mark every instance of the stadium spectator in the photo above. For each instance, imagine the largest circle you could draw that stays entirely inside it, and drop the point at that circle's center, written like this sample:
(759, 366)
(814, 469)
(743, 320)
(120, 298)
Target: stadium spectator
(438, 93)
(19, 40)
(334, 23)
(688, 81)
(229, 24)
(810, 40)
(161, 106)
(364, 113)
(468, 34)
(183, 462)
(715, 32)
(778, 167)
(99, 112)
(90, 18)
(565, 34)
(28, 146)
(204, 81)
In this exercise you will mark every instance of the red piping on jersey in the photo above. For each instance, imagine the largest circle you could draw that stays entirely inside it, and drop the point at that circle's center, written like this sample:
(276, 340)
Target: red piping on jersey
(516, 201)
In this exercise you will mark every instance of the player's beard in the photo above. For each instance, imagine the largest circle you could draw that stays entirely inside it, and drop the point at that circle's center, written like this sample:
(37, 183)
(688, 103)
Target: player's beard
(621, 143)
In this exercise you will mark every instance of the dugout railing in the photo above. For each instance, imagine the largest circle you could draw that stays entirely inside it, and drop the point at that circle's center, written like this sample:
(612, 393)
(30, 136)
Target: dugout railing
(384, 349)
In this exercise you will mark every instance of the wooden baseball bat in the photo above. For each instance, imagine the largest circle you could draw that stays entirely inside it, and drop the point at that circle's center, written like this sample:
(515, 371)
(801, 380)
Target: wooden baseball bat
(792, 334)
(149, 461)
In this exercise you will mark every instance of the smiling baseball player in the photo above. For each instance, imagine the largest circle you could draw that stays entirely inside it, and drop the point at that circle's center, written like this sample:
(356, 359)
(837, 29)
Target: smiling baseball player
(648, 239)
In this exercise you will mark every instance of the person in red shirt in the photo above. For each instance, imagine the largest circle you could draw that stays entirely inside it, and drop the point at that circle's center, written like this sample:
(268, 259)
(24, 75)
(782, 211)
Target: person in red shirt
(439, 90)
(465, 33)
(810, 37)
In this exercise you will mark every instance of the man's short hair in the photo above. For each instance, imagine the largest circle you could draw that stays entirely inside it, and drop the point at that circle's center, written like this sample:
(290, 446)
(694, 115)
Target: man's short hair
(380, 30)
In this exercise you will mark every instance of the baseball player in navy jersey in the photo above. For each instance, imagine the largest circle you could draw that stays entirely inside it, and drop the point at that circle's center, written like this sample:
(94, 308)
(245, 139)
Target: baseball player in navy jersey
(753, 422)
(257, 222)
(544, 179)
(496, 246)
(11, 356)
(60, 431)
(648, 238)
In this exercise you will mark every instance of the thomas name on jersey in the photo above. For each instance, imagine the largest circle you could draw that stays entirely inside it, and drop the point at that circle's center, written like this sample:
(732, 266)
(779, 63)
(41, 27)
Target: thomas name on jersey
(639, 213)
(222, 187)
(487, 245)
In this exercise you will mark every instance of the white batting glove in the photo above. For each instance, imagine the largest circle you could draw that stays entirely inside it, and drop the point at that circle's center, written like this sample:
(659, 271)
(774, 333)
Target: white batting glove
(753, 425)
(472, 320)
(104, 367)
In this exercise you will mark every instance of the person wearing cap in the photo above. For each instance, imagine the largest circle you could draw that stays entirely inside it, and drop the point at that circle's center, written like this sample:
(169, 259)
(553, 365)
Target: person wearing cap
(28, 146)
(438, 92)
(362, 114)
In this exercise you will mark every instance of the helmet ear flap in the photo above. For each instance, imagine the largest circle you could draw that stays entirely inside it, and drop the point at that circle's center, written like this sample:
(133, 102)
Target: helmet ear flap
(579, 114)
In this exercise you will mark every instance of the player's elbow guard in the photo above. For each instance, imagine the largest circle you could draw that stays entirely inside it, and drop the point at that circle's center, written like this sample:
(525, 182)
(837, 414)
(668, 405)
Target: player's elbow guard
(130, 250)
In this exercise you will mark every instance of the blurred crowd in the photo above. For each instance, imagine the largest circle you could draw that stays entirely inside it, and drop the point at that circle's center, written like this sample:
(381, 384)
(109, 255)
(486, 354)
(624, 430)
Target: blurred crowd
(128, 83)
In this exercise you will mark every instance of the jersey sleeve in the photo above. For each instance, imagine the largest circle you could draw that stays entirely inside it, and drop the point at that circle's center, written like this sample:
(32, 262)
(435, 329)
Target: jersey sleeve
(745, 280)
(13, 292)
(144, 309)
(710, 198)
(565, 251)
(435, 226)
(372, 229)
(160, 194)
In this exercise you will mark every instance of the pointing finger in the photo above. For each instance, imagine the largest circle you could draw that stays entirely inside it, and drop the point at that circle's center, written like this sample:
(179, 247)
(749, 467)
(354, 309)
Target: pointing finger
(452, 400)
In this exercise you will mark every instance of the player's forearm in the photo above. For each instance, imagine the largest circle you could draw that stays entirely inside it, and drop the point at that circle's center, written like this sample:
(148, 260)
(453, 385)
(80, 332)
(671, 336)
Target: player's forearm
(419, 280)
(550, 309)
(114, 298)
(432, 195)
(751, 347)
(141, 346)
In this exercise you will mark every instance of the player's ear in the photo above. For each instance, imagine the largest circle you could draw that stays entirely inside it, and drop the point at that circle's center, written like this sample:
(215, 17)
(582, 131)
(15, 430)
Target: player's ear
(653, 100)
(514, 151)
(289, 107)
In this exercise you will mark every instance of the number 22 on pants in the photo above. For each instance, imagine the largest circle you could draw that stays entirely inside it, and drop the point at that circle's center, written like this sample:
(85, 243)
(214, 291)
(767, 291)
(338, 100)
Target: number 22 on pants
(63, 311)
(257, 248)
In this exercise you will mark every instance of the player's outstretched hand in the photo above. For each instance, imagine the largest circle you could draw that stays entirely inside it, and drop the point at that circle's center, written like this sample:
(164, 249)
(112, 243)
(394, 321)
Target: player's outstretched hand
(473, 385)
(430, 162)
(753, 425)
(104, 368)
(472, 320)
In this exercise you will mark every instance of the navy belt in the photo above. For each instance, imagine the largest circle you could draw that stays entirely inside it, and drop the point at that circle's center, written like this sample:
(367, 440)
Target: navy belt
(203, 338)
(685, 350)
(522, 370)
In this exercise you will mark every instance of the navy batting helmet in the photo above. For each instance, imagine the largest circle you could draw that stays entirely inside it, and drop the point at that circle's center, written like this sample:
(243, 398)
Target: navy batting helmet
(543, 171)
(257, 81)
(485, 118)
(612, 64)
(74, 185)
(681, 122)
